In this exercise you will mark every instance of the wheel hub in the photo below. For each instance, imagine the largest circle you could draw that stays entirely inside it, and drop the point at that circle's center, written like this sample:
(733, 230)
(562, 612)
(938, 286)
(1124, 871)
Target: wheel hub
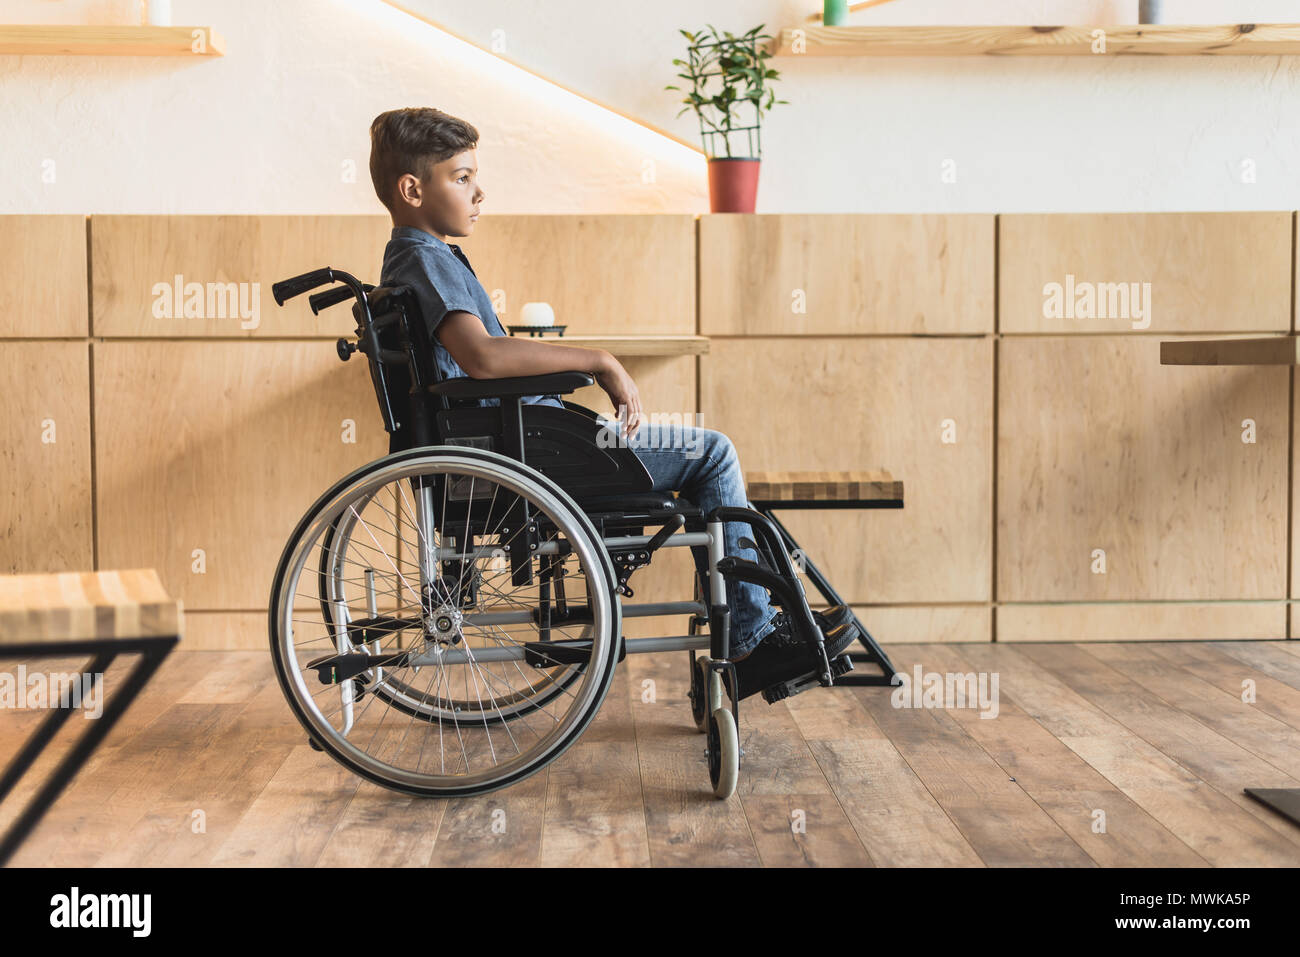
(443, 625)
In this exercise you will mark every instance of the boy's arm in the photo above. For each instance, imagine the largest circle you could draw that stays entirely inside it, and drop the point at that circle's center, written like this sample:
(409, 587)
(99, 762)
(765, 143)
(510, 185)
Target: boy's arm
(442, 289)
(485, 356)
(500, 357)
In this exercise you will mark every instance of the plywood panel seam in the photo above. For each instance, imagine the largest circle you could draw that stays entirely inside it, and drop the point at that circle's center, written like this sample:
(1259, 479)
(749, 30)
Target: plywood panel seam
(94, 487)
(89, 278)
(1290, 479)
(1146, 601)
(993, 488)
(757, 336)
(90, 399)
(1290, 445)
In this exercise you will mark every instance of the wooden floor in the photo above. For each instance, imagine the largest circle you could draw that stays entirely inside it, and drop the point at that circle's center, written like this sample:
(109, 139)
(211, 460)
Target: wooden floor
(1151, 740)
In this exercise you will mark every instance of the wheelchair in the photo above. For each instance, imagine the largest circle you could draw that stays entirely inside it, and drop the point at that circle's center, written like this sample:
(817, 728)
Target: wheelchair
(446, 620)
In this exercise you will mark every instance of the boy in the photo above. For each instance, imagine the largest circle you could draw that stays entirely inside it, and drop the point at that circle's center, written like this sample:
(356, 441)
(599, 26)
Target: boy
(424, 167)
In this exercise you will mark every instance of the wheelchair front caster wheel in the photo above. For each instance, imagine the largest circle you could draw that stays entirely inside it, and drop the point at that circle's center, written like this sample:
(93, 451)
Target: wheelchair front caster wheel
(724, 753)
(701, 705)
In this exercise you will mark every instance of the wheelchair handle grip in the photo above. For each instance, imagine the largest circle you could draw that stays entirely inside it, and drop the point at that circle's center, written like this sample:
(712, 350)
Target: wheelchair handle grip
(286, 289)
(331, 297)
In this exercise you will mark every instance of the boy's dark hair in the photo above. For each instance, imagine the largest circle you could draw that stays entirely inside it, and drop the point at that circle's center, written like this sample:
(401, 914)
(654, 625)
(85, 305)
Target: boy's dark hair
(413, 140)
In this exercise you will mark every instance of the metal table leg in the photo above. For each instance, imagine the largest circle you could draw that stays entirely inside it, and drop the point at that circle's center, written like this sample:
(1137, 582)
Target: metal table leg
(152, 652)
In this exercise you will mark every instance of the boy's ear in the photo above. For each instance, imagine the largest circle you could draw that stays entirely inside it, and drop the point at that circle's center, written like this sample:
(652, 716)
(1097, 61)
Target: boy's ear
(409, 190)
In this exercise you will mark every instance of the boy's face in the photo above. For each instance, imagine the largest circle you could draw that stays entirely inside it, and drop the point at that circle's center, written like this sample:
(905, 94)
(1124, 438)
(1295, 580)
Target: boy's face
(447, 201)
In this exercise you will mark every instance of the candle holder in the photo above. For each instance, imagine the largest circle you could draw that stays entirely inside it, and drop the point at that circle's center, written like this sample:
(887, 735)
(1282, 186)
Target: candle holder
(536, 332)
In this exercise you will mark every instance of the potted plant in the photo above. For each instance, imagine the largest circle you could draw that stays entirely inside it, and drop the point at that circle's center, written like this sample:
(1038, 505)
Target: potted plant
(733, 180)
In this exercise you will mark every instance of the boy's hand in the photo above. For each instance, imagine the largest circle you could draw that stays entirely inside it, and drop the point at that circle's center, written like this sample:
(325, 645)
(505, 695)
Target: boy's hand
(622, 392)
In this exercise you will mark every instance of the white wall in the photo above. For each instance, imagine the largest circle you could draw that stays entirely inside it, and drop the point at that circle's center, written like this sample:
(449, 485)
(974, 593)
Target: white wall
(271, 127)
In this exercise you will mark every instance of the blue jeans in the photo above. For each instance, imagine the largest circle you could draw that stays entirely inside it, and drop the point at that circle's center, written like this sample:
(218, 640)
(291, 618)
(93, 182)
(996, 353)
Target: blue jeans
(702, 464)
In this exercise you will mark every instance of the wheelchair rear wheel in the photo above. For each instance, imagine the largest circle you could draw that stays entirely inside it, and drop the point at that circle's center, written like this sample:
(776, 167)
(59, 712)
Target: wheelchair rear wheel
(400, 642)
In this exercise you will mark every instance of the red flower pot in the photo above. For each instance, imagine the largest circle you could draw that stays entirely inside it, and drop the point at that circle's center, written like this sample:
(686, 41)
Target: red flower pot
(733, 184)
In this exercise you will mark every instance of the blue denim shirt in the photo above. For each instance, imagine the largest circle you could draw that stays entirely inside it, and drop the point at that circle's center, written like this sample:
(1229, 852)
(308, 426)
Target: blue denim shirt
(443, 281)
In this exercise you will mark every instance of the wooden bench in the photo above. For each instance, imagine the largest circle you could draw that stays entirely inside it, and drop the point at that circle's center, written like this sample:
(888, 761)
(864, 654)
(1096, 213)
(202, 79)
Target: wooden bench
(103, 614)
(866, 488)
(863, 488)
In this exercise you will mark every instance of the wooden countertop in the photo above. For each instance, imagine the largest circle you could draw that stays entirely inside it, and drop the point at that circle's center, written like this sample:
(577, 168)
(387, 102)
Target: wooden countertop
(632, 345)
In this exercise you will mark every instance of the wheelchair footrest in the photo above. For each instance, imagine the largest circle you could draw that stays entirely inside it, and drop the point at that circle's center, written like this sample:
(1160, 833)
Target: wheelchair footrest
(788, 689)
(336, 668)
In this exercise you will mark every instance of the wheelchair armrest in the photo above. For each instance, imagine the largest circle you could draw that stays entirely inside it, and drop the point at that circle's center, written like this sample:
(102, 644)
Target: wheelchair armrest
(464, 387)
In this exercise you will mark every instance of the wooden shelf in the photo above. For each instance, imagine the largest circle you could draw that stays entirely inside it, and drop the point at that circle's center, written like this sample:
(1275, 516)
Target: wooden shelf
(633, 345)
(1265, 351)
(1146, 39)
(108, 41)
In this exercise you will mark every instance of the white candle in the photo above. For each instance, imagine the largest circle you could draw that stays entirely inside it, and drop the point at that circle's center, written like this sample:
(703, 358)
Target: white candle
(537, 314)
(159, 13)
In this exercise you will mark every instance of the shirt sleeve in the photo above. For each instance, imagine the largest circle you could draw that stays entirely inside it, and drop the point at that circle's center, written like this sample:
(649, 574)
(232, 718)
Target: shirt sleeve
(439, 285)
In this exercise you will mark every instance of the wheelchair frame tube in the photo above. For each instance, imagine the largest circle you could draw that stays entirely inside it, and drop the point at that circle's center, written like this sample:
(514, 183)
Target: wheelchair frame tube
(713, 539)
(648, 609)
(430, 570)
(720, 622)
(676, 540)
(458, 656)
(717, 587)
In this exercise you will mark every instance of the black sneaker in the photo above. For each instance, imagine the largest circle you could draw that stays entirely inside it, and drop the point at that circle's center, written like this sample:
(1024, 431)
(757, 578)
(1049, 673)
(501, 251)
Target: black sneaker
(782, 655)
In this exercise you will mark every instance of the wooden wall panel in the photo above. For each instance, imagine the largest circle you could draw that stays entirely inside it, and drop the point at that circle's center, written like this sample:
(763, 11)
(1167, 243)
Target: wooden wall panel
(45, 269)
(603, 275)
(856, 273)
(932, 624)
(666, 383)
(225, 631)
(130, 254)
(1149, 621)
(220, 446)
(1101, 447)
(45, 501)
(1208, 272)
(223, 445)
(853, 403)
